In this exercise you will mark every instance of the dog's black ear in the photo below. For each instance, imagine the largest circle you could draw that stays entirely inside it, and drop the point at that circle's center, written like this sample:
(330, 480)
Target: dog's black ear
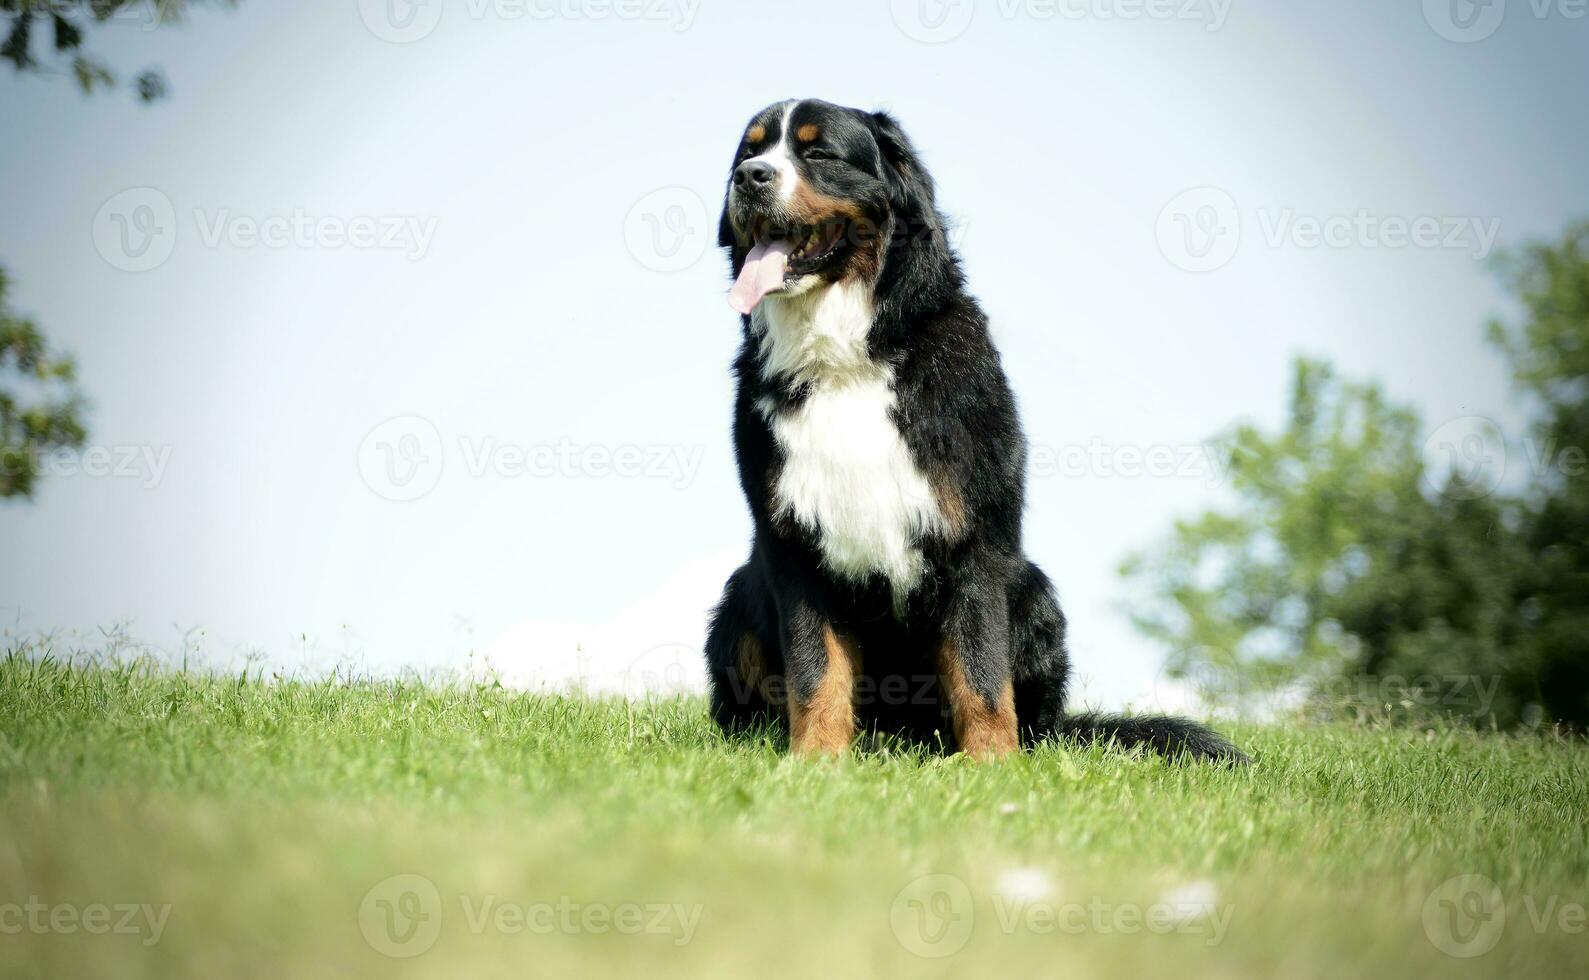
(920, 271)
(909, 188)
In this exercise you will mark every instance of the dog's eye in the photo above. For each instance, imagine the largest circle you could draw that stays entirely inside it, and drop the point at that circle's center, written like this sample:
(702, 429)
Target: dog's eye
(819, 154)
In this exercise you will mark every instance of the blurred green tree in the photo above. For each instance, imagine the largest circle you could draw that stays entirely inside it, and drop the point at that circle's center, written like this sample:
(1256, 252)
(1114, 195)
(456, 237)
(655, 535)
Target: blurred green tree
(66, 23)
(1549, 355)
(1357, 571)
(41, 408)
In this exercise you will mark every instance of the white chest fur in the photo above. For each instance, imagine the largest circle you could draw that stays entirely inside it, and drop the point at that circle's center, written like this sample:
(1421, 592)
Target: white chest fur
(847, 474)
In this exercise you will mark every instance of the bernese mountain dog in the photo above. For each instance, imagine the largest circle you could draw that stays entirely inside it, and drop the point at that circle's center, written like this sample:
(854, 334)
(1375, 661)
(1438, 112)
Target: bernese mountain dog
(882, 457)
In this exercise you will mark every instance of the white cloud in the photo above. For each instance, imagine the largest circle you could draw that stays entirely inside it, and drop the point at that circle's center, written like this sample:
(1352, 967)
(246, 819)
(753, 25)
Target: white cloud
(652, 646)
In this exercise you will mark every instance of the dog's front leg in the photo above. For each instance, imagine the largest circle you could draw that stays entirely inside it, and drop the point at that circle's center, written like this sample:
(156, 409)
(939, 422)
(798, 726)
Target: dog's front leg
(974, 668)
(823, 663)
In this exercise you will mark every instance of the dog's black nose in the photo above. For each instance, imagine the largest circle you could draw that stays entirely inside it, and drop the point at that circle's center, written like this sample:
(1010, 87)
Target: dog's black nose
(754, 173)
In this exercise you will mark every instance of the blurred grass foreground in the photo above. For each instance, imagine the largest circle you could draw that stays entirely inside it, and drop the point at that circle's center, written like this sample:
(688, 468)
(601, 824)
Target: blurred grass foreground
(157, 823)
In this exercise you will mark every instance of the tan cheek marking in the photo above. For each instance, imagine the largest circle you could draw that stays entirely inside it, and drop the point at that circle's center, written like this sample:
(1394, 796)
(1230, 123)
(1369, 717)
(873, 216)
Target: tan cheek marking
(825, 725)
(982, 729)
(808, 132)
(756, 133)
(811, 206)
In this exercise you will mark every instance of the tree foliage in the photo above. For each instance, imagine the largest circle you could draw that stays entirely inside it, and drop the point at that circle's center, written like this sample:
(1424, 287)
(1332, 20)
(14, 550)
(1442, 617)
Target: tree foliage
(1549, 355)
(41, 408)
(1352, 567)
(48, 37)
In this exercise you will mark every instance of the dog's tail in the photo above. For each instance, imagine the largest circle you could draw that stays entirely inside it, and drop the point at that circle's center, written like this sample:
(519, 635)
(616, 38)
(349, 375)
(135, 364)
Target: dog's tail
(1166, 735)
(1042, 667)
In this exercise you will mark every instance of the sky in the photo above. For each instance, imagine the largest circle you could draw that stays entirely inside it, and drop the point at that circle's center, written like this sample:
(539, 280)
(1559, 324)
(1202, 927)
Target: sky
(408, 345)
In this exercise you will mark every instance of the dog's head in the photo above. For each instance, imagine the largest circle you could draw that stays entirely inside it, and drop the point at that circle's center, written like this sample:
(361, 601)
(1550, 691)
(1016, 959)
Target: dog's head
(821, 194)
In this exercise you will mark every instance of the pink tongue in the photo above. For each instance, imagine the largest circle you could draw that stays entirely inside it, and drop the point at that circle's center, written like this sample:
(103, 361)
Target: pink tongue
(761, 274)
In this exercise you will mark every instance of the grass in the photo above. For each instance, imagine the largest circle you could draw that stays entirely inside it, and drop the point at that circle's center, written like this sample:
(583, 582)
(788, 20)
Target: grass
(565, 837)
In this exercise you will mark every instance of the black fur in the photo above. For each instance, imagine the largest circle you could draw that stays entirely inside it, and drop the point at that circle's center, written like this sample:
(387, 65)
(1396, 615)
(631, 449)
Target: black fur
(957, 416)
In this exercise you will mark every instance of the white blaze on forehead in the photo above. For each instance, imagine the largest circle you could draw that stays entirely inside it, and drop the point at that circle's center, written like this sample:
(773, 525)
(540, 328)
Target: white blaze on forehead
(781, 159)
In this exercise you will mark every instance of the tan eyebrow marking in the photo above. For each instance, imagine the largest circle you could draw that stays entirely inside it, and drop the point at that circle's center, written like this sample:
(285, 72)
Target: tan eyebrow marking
(808, 132)
(756, 133)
